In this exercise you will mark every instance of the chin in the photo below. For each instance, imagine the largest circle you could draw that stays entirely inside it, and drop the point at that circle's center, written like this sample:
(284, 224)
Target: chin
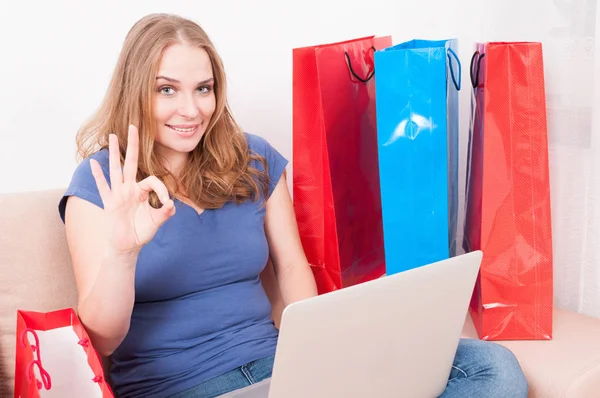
(182, 143)
(184, 146)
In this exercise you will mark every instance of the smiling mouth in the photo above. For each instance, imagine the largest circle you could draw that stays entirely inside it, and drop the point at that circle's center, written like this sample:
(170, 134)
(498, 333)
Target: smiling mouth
(184, 130)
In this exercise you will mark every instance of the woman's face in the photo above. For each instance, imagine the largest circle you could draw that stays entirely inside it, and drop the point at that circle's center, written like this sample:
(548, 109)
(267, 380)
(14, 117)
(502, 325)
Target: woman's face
(184, 101)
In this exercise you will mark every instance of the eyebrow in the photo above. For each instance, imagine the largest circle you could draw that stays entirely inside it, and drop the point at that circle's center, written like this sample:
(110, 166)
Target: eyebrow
(169, 79)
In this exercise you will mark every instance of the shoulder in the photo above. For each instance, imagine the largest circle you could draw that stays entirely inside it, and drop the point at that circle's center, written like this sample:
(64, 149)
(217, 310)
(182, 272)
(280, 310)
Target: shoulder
(83, 184)
(275, 161)
(257, 144)
(83, 169)
(261, 146)
(82, 176)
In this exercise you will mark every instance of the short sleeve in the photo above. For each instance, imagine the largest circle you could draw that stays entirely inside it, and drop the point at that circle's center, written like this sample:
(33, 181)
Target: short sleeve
(276, 163)
(83, 184)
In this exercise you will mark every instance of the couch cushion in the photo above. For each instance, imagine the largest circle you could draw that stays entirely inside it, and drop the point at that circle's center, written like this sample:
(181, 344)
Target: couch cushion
(36, 269)
(566, 366)
(37, 275)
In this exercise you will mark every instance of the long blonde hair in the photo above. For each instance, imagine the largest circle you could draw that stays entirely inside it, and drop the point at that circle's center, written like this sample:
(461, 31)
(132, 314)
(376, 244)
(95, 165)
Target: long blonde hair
(219, 168)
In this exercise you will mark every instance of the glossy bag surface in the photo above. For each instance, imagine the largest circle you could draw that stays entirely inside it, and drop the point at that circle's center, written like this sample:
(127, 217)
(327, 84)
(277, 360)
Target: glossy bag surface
(335, 172)
(508, 193)
(417, 86)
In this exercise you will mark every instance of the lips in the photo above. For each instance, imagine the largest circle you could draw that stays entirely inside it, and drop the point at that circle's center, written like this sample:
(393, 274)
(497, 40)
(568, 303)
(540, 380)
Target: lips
(184, 130)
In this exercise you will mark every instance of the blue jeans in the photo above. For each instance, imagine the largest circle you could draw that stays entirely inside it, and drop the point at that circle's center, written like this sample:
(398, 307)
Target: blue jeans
(485, 369)
(480, 369)
(241, 377)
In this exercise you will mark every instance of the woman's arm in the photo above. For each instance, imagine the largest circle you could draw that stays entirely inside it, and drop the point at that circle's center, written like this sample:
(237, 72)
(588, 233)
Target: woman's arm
(271, 286)
(296, 280)
(105, 279)
(105, 243)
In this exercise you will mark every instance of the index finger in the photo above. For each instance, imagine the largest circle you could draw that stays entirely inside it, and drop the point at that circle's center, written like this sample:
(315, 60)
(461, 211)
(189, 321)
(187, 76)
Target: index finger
(131, 156)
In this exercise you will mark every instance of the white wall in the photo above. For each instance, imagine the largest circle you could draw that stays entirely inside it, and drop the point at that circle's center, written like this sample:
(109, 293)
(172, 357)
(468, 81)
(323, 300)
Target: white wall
(57, 57)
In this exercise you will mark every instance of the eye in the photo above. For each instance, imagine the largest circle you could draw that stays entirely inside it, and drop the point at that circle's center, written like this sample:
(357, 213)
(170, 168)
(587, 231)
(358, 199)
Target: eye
(166, 90)
(204, 89)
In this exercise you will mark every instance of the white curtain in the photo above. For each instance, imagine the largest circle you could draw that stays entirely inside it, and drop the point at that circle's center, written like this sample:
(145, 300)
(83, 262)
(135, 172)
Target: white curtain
(568, 30)
(590, 286)
(573, 76)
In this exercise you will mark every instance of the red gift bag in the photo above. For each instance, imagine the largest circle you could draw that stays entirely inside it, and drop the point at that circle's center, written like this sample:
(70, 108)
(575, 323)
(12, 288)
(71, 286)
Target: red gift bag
(336, 177)
(508, 193)
(54, 357)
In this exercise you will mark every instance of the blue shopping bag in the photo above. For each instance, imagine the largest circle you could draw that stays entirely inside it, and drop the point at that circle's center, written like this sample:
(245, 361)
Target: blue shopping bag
(416, 86)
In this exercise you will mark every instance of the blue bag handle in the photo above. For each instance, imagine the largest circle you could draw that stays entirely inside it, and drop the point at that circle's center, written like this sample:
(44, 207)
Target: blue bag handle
(457, 85)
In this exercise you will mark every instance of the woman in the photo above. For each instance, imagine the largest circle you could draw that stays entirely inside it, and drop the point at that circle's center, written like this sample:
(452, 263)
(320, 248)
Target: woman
(170, 228)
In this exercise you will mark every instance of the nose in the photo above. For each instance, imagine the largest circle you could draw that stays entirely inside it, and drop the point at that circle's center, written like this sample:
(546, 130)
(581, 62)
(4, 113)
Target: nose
(188, 107)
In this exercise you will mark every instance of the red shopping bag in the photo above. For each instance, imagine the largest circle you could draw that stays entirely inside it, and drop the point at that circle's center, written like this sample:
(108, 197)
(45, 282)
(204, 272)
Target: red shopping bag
(336, 177)
(54, 357)
(508, 193)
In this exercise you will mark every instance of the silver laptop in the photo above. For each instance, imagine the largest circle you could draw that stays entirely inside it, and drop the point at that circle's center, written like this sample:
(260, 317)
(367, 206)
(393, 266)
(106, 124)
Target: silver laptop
(391, 337)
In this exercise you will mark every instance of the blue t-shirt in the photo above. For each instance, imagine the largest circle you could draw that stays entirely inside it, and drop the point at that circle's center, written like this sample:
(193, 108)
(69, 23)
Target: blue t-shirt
(200, 309)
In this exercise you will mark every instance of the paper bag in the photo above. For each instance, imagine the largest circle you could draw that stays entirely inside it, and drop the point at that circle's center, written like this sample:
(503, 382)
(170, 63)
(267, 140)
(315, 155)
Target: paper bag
(54, 358)
(336, 179)
(417, 86)
(508, 193)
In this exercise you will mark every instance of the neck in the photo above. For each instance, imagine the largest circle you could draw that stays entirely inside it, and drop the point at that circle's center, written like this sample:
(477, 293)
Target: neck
(176, 165)
(175, 162)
